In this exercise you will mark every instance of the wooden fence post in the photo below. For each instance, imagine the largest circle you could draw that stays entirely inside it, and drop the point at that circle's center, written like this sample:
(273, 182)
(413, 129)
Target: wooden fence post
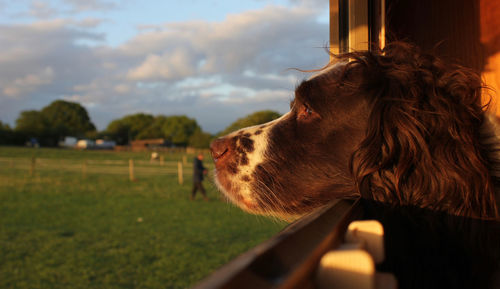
(180, 173)
(32, 167)
(131, 170)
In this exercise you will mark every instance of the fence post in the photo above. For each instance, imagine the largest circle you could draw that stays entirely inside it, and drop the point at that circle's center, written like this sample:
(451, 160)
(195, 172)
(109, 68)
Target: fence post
(32, 167)
(179, 171)
(131, 170)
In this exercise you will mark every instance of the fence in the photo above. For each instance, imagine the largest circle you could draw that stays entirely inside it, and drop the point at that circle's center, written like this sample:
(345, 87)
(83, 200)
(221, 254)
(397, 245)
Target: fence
(170, 150)
(131, 167)
(289, 260)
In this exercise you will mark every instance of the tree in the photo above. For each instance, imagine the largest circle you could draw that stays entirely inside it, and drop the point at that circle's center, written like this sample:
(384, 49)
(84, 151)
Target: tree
(129, 127)
(255, 118)
(155, 129)
(54, 122)
(66, 118)
(7, 135)
(178, 129)
(200, 139)
(32, 123)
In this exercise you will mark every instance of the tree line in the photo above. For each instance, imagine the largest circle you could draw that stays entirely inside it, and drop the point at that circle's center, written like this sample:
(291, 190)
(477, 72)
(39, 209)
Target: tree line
(64, 118)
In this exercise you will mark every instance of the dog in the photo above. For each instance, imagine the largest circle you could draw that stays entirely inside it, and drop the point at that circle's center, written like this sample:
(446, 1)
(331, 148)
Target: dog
(397, 126)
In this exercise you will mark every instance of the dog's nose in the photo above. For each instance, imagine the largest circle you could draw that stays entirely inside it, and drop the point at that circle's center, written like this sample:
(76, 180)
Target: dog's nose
(219, 148)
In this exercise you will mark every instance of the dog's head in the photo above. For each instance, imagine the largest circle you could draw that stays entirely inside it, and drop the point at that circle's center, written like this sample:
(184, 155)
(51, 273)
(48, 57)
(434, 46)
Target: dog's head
(396, 126)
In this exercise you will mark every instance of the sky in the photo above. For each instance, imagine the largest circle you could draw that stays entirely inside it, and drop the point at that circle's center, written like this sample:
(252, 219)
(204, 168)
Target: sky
(212, 60)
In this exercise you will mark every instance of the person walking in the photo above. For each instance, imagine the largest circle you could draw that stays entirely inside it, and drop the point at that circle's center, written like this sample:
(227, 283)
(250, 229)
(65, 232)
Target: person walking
(198, 172)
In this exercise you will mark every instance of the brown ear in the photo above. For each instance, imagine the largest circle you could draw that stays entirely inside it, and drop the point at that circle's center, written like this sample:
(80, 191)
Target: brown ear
(422, 143)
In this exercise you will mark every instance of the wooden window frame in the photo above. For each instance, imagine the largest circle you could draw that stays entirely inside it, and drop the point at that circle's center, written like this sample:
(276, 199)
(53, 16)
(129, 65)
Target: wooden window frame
(356, 25)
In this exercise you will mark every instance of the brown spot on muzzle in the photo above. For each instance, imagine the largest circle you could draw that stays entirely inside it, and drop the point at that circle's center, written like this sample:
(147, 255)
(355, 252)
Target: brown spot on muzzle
(243, 160)
(247, 144)
(232, 168)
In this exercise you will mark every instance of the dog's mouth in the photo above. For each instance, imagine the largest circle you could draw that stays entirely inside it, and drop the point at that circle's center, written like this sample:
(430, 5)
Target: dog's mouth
(234, 194)
(216, 155)
(236, 157)
(227, 179)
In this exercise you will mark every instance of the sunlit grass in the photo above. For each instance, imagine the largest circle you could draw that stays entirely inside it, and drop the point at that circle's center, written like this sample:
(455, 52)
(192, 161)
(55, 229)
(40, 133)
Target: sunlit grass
(64, 230)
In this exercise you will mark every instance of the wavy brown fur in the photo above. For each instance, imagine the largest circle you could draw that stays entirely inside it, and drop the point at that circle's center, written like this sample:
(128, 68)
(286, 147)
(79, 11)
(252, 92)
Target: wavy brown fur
(423, 142)
(397, 126)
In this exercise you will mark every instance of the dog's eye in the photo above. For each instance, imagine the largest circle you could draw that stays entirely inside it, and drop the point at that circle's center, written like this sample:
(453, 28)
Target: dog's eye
(305, 113)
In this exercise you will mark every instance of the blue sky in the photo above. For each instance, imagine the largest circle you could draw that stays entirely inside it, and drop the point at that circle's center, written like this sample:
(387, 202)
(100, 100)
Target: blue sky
(214, 61)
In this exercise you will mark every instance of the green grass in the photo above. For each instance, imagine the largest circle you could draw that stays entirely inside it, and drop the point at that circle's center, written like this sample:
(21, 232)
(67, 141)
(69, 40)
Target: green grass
(59, 229)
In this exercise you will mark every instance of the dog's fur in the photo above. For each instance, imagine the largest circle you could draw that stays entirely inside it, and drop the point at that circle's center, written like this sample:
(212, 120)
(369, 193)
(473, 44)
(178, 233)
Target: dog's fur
(396, 126)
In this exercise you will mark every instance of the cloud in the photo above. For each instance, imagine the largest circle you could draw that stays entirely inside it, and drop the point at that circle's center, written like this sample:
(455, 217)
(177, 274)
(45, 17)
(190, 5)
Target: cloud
(29, 82)
(175, 65)
(213, 71)
(42, 60)
(318, 4)
(122, 88)
(41, 9)
(89, 22)
(79, 6)
(262, 41)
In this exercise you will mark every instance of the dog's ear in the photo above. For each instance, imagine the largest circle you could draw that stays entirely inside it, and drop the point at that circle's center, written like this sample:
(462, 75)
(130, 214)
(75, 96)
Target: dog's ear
(422, 142)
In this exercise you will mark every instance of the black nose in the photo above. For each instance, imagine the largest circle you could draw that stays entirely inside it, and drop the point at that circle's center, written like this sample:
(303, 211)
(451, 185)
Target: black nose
(219, 148)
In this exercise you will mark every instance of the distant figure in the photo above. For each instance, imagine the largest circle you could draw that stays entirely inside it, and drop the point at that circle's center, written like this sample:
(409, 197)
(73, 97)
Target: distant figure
(198, 171)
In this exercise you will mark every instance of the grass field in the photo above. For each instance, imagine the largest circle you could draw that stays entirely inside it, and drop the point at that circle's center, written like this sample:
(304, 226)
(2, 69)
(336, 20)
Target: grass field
(60, 229)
